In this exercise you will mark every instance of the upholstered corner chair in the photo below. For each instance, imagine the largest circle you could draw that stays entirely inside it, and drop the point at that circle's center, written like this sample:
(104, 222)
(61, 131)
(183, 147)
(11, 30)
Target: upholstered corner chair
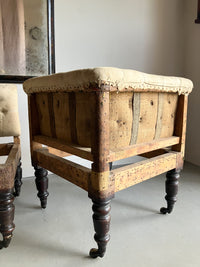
(104, 115)
(10, 171)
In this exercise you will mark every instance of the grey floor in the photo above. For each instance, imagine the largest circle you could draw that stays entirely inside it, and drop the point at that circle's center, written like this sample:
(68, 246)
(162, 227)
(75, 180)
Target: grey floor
(62, 234)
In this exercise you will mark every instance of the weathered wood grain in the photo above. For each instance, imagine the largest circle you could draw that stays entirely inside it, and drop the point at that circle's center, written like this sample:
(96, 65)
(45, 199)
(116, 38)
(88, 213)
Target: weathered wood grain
(180, 123)
(62, 118)
(138, 172)
(137, 149)
(83, 152)
(8, 169)
(66, 169)
(100, 136)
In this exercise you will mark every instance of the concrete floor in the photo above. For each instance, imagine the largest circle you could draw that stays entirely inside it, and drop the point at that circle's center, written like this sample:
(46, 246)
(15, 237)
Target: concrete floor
(62, 234)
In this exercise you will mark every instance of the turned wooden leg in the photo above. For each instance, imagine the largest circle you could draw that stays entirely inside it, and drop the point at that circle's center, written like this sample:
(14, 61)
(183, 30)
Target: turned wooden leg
(171, 190)
(7, 226)
(18, 180)
(101, 219)
(42, 185)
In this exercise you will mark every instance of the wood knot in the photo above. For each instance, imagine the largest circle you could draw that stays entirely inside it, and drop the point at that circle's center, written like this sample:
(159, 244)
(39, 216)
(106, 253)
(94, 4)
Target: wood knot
(120, 122)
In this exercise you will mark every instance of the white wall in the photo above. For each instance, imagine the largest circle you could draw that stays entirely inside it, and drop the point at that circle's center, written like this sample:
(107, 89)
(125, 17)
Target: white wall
(145, 35)
(192, 71)
(139, 34)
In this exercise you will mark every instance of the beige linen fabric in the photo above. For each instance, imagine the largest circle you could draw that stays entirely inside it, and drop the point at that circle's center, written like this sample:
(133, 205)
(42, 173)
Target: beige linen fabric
(12, 37)
(9, 118)
(108, 79)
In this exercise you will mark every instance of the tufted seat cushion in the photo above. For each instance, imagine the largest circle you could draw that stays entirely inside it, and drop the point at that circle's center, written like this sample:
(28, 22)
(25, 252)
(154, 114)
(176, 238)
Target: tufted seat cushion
(9, 118)
(108, 79)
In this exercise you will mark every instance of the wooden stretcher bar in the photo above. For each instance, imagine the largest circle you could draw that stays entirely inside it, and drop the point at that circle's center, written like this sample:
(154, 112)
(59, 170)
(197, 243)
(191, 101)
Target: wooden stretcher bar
(141, 171)
(8, 169)
(83, 152)
(138, 149)
(68, 170)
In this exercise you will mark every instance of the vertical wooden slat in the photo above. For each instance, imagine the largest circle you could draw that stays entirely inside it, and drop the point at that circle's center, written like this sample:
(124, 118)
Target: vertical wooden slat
(121, 117)
(136, 118)
(159, 116)
(147, 118)
(180, 123)
(72, 115)
(61, 113)
(43, 113)
(51, 115)
(85, 103)
(168, 114)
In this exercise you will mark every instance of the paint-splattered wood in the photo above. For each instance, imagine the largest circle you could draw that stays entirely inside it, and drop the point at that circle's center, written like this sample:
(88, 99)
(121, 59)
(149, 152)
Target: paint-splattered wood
(101, 185)
(138, 172)
(100, 136)
(68, 170)
(137, 149)
(83, 152)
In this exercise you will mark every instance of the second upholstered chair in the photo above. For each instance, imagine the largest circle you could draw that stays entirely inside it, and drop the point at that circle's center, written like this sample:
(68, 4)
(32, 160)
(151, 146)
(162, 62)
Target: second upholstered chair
(10, 171)
(104, 115)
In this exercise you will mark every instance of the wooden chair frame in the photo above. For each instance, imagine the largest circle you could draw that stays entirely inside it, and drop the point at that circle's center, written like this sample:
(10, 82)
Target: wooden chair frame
(10, 185)
(101, 183)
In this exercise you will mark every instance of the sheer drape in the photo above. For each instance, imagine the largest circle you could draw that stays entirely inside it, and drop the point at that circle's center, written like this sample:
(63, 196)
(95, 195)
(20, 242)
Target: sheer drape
(12, 37)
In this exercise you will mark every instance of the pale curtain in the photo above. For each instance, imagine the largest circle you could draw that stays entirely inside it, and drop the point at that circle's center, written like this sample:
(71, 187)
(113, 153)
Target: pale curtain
(12, 37)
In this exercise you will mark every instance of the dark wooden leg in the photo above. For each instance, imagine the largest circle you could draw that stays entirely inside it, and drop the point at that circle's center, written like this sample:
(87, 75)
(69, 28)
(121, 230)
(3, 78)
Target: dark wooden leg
(7, 210)
(101, 219)
(42, 185)
(18, 180)
(171, 190)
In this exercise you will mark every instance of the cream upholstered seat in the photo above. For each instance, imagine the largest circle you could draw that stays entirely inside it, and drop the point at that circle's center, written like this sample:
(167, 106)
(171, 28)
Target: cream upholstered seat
(10, 171)
(9, 118)
(116, 79)
(132, 120)
(104, 115)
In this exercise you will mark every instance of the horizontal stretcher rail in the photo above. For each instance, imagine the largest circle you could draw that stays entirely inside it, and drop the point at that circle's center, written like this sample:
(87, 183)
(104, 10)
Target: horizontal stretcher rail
(82, 152)
(114, 155)
(68, 170)
(132, 174)
(139, 149)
